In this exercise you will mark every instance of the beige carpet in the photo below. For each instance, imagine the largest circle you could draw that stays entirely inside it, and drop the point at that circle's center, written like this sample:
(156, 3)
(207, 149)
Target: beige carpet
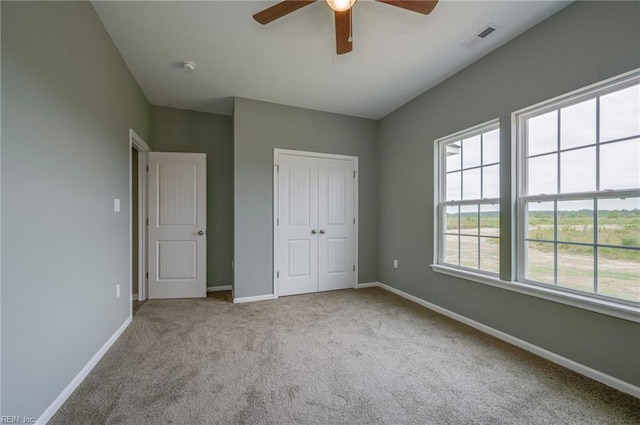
(345, 357)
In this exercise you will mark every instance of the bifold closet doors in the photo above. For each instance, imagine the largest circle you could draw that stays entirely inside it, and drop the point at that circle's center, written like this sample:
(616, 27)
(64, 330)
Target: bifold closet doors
(315, 223)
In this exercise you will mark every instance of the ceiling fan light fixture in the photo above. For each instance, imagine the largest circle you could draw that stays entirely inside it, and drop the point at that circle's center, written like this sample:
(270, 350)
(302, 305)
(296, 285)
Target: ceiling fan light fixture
(341, 5)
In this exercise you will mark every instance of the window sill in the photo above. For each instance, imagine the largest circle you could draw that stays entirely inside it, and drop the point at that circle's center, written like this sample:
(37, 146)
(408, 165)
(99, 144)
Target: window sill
(609, 308)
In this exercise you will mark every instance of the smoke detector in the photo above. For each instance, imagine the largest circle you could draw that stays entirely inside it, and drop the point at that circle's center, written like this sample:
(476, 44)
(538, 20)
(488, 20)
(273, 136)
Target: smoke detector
(188, 66)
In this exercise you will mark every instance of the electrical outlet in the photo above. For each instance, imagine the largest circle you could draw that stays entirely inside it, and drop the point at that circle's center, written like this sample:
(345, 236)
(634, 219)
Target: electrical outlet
(117, 291)
(395, 263)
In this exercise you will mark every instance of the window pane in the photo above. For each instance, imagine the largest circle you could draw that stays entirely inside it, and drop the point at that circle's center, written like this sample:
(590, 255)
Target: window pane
(539, 262)
(541, 221)
(575, 221)
(490, 220)
(490, 255)
(469, 251)
(620, 165)
(451, 249)
(575, 267)
(471, 152)
(619, 222)
(578, 125)
(578, 170)
(469, 219)
(620, 114)
(453, 186)
(451, 221)
(542, 175)
(491, 147)
(470, 172)
(491, 181)
(542, 134)
(471, 184)
(619, 273)
(454, 159)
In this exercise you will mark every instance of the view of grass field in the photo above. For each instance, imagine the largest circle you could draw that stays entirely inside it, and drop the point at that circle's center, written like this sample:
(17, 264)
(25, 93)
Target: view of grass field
(618, 265)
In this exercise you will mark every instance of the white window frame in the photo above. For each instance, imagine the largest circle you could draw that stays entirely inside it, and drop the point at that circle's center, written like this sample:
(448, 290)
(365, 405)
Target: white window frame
(582, 300)
(440, 195)
(519, 120)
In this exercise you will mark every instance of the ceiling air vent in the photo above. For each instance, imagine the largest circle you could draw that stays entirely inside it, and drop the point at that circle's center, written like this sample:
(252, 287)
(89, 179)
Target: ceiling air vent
(479, 36)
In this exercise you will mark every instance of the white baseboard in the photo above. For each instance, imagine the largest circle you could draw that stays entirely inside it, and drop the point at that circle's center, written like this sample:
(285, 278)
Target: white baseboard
(368, 285)
(252, 299)
(218, 288)
(75, 382)
(134, 297)
(553, 357)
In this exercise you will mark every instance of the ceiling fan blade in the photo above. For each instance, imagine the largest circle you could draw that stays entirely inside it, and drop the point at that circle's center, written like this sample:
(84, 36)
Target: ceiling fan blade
(344, 43)
(421, 6)
(279, 10)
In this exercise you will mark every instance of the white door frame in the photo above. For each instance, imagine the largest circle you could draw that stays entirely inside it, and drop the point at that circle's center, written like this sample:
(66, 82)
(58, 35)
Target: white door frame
(136, 142)
(276, 153)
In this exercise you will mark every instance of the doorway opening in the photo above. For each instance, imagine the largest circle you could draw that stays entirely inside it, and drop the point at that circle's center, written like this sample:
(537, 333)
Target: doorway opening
(137, 223)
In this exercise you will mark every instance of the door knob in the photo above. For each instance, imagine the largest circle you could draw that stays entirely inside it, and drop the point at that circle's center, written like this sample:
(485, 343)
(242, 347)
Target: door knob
(201, 232)
(322, 232)
(314, 231)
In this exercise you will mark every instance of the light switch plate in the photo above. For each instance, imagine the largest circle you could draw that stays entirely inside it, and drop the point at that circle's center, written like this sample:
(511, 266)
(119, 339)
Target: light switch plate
(116, 205)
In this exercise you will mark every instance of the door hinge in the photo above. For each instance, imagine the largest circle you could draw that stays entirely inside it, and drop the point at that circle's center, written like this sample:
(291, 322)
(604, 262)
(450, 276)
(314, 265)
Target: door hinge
(278, 275)
(147, 221)
(147, 168)
(277, 168)
(354, 267)
(354, 221)
(147, 275)
(277, 222)
(354, 174)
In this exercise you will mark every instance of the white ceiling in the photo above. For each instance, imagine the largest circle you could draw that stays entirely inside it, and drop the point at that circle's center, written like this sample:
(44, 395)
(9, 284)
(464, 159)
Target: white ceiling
(397, 54)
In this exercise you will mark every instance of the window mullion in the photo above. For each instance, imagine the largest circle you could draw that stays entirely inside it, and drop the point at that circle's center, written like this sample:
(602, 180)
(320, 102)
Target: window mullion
(596, 218)
(478, 236)
(558, 170)
(459, 231)
(595, 245)
(623, 193)
(555, 242)
(598, 143)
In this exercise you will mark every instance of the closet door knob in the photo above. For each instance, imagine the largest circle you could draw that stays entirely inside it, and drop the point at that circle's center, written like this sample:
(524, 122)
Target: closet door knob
(314, 231)
(322, 232)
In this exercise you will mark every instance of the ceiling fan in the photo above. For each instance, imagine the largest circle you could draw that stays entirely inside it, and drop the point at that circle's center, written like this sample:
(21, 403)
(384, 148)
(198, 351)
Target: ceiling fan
(342, 14)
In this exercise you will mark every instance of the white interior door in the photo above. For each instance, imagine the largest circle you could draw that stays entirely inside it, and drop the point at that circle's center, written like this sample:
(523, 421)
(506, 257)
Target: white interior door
(177, 225)
(315, 223)
(298, 221)
(337, 224)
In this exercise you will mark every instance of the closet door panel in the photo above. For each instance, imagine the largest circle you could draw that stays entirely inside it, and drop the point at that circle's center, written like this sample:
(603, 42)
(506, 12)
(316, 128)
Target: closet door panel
(298, 220)
(337, 224)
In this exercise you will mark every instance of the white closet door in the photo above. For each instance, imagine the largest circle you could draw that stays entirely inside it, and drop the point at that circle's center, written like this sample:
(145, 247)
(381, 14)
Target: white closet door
(177, 225)
(336, 221)
(298, 220)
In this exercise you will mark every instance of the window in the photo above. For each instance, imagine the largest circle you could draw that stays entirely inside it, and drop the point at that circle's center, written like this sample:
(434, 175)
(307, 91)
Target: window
(469, 199)
(578, 207)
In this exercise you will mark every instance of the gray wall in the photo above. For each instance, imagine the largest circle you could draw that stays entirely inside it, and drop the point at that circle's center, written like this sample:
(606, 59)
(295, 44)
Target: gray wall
(178, 130)
(68, 101)
(259, 127)
(582, 44)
